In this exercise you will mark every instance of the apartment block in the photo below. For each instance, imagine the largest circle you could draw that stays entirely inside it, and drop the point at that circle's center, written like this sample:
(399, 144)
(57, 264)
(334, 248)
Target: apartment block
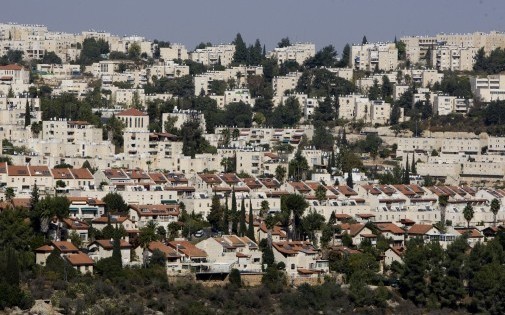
(213, 55)
(368, 57)
(490, 88)
(282, 84)
(298, 52)
(175, 51)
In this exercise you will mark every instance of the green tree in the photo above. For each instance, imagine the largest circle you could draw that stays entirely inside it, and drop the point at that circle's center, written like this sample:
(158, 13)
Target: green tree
(375, 91)
(50, 57)
(134, 51)
(311, 223)
(320, 193)
(326, 57)
(495, 207)
(285, 42)
(234, 213)
(235, 278)
(345, 60)
(250, 227)
(294, 204)
(114, 202)
(349, 180)
(158, 258)
(298, 167)
(323, 139)
(215, 214)
(412, 282)
(28, 115)
(225, 225)
(406, 173)
(240, 55)
(468, 213)
(148, 234)
(9, 194)
(280, 173)
(242, 227)
(34, 197)
(443, 200)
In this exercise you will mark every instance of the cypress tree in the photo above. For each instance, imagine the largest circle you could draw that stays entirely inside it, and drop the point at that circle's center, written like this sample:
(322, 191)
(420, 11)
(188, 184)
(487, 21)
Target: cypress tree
(226, 220)
(242, 230)
(234, 214)
(414, 169)
(349, 179)
(250, 228)
(406, 174)
(28, 117)
(116, 250)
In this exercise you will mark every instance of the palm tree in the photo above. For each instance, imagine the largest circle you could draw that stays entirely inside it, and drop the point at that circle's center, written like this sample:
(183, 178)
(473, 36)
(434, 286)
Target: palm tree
(495, 207)
(468, 213)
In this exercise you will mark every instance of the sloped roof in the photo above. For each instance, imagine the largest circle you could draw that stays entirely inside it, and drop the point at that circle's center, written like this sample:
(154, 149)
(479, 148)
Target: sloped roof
(80, 259)
(419, 229)
(187, 248)
(132, 112)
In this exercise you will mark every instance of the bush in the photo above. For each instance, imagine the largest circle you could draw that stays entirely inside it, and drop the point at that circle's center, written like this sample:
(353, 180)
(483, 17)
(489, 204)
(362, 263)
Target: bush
(235, 278)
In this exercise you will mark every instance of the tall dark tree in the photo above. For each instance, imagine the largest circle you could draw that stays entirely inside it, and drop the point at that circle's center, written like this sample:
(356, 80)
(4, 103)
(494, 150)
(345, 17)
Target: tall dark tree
(242, 228)
(413, 169)
(215, 214)
(346, 56)
(284, 42)
(225, 226)
(364, 40)
(349, 181)
(34, 198)
(234, 213)
(240, 55)
(28, 116)
(374, 92)
(114, 202)
(116, 260)
(250, 227)
(406, 176)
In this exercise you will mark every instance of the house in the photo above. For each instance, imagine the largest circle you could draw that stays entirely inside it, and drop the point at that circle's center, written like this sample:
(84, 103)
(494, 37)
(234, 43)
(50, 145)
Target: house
(86, 207)
(278, 234)
(81, 262)
(358, 233)
(63, 247)
(163, 215)
(101, 249)
(76, 226)
(240, 252)
(300, 257)
(171, 255)
(189, 252)
(474, 235)
(393, 254)
(430, 233)
(101, 222)
(391, 230)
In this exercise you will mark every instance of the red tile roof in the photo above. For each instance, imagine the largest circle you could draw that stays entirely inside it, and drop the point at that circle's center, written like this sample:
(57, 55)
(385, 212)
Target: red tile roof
(419, 229)
(11, 67)
(188, 249)
(109, 244)
(132, 112)
(80, 259)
